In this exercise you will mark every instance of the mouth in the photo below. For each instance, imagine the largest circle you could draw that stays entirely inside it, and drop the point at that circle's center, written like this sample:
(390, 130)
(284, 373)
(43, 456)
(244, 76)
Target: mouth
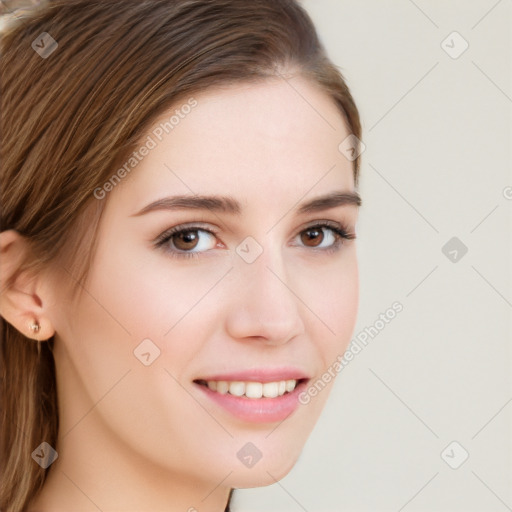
(271, 399)
(251, 389)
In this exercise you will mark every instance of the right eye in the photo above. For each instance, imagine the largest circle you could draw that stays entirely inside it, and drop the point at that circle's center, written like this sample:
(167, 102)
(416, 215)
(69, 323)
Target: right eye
(187, 240)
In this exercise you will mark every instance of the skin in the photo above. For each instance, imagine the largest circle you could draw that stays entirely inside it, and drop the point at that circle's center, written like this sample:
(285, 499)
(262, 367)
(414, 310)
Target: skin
(135, 437)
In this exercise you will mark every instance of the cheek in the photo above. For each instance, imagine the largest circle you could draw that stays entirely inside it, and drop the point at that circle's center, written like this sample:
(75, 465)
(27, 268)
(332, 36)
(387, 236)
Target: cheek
(150, 292)
(342, 300)
(125, 303)
(331, 292)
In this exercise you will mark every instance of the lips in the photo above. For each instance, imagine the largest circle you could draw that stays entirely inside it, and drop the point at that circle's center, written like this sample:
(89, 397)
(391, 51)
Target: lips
(258, 375)
(255, 396)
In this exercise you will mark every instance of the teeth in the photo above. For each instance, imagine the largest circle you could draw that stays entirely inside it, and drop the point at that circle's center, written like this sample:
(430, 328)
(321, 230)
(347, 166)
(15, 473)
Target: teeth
(237, 388)
(290, 385)
(270, 389)
(222, 387)
(253, 389)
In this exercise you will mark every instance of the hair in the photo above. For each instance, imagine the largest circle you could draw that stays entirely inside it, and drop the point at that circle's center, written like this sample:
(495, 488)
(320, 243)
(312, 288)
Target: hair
(69, 119)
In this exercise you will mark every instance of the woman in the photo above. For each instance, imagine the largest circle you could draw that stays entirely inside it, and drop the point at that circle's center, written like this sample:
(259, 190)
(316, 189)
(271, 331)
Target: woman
(178, 259)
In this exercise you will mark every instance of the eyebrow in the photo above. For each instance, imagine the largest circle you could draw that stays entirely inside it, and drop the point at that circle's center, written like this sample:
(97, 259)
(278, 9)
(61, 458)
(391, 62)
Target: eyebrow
(226, 204)
(330, 201)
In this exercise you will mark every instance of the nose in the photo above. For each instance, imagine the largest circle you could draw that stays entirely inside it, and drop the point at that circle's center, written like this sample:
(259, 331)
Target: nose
(264, 305)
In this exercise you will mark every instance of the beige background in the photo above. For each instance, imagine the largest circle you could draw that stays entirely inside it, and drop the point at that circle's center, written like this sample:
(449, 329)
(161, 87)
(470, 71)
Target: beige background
(437, 163)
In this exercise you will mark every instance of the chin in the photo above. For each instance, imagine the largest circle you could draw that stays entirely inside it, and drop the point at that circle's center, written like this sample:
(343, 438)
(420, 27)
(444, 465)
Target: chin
(261, 474)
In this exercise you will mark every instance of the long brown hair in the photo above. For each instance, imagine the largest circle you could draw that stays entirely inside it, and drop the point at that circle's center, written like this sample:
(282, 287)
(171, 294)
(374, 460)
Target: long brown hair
(69, 118)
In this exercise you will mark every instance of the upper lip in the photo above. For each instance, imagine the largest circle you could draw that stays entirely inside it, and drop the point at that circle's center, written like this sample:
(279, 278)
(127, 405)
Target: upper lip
(259, 375)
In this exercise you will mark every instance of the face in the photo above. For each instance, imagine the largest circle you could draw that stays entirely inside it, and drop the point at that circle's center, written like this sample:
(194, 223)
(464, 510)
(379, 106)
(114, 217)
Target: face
(219, 273)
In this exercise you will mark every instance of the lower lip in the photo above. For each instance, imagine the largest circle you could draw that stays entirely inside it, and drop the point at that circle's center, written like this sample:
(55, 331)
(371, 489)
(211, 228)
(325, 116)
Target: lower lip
(257, 410)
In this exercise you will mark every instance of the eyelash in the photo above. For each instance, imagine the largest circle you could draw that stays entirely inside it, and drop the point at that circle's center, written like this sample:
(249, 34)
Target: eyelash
(341, 232)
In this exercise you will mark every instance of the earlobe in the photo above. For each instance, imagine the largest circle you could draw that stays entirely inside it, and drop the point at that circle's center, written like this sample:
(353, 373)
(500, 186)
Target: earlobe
(20, 304)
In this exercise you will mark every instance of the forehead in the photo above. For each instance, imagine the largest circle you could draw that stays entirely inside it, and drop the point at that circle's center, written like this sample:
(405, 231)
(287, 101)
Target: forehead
(272, 140)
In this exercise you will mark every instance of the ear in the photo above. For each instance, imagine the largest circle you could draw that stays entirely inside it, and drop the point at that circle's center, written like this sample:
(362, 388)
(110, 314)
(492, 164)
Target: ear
(20, 303)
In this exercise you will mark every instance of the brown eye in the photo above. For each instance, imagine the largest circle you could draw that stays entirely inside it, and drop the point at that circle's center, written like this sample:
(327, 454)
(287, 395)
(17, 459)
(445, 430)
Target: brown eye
(185, 240)
(312, 237)
(323, 236)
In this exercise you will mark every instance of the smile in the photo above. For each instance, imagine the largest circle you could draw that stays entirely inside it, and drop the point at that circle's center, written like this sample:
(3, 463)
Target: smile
(250, 389)
(255, 397)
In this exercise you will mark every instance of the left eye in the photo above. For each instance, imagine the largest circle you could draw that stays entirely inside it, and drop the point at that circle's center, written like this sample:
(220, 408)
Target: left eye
(318, 237)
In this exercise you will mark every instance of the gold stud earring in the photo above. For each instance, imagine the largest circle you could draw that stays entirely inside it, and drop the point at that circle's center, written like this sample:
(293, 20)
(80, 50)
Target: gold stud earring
(34, 327)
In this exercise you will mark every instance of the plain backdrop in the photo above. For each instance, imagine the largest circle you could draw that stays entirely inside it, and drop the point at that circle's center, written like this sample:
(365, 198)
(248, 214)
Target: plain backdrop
(421, 419)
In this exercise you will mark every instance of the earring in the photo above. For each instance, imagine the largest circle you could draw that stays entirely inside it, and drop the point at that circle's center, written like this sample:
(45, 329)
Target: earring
(34, 326)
